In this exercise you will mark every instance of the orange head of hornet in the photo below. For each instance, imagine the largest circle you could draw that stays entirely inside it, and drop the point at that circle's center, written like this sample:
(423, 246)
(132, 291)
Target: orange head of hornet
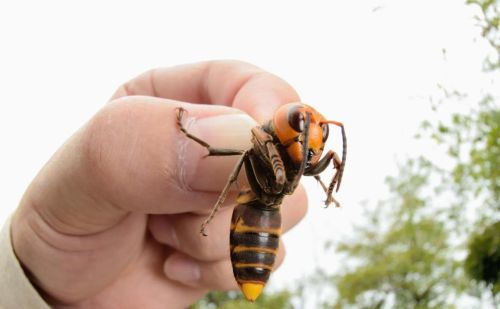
(289, 122)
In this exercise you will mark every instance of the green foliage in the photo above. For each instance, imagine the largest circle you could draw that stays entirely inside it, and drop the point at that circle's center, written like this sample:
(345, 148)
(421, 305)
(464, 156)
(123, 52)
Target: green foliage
(489, 21)
(404, 255)
(483, 261)
(402, 258)
(473, 144)
(235, 300)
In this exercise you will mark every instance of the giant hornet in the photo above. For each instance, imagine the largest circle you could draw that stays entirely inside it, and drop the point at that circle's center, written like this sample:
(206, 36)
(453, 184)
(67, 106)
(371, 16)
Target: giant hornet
(284, 148)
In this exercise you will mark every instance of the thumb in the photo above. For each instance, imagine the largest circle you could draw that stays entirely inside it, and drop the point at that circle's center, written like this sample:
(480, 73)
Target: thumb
(132, 157)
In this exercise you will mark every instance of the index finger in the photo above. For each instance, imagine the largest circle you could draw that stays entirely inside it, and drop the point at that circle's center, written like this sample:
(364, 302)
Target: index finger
(225, 82)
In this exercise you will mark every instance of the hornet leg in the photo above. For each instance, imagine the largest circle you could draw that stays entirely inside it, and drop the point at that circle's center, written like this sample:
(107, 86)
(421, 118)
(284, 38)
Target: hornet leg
(330, 197)
(214, 152)
(223, 194)
(320, 167)
(338, 172)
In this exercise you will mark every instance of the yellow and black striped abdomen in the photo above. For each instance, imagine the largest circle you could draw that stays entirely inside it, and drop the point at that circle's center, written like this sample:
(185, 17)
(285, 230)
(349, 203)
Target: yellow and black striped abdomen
(254, 241)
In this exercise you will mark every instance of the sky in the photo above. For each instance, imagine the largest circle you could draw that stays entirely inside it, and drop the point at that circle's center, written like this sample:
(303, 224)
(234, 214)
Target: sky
(371, 64)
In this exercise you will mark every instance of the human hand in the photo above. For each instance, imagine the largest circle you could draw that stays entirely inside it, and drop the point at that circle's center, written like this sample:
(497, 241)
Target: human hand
(112, 220)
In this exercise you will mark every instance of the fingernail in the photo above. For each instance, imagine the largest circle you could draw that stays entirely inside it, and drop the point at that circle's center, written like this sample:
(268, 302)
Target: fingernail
(229, 131)
(170, 234)
(182, 269)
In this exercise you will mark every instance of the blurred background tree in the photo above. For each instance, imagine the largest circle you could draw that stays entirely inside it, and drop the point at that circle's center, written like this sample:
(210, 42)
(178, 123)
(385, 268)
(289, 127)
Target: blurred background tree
(403, 256)
(435, 241)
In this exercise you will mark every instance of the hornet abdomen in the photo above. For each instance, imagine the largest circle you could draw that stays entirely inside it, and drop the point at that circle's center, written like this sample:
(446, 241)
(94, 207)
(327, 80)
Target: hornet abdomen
(254, 241)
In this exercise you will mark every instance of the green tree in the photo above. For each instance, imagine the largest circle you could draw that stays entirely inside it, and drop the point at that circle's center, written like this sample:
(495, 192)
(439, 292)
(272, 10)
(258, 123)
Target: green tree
(473, 142)
(407, 254)
(402, 256)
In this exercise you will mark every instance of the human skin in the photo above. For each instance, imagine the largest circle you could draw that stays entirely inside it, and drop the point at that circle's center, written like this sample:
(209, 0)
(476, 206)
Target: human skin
(112, 220)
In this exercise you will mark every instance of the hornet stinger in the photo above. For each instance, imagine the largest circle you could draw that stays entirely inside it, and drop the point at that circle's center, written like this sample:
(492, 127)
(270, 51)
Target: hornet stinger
(284, 148)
